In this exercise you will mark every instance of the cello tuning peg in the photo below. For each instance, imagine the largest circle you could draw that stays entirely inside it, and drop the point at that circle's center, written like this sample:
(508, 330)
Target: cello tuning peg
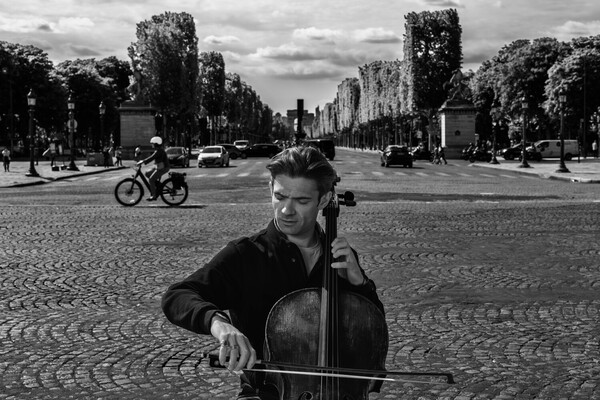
(347, 199)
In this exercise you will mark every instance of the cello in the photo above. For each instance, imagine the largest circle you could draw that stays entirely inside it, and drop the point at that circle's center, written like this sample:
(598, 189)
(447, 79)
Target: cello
(327, 328)
(326, 343)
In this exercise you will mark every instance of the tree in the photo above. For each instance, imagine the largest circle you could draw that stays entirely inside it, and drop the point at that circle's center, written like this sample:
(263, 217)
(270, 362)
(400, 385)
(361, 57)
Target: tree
(25, 68)
(432, 51)
(166, 57)
(88, 88)
(577, 75)
(212, 78)
(118, 73)
(519, 70)
(233, 100)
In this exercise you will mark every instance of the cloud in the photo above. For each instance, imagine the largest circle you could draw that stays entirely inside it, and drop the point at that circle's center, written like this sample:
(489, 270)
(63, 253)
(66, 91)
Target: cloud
(33, 24)
(290, 52)
(312, 33)
(83, 51)
(350, 58)
(22, 25)
(302, 71)
(573, 29)
(221, 40)
(74, 24)
(376, 35)
(443, 3)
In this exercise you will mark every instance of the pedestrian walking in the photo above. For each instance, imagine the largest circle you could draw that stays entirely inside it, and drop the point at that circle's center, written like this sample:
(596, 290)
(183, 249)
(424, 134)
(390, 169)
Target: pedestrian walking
(6, 159)
(118, 156)
(442, 156)
(106, 155)
(137, 153)
(436, 156)
(595, 148)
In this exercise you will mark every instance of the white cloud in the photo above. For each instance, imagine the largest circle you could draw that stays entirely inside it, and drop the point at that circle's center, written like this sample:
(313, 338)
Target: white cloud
(21, 25)
(33, 24)
(220, 40)
(312, 33)
(289, 51)
(573, 29)
(376, 35)
(74, 24)
(315, 69)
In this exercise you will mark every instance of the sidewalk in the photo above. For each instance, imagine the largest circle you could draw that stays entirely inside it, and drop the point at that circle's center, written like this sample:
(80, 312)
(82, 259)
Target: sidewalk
(18, 169)
(585, 171)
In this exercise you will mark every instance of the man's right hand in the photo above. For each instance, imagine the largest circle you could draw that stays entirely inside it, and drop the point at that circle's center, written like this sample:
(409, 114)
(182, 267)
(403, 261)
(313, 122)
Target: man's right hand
(233, 344)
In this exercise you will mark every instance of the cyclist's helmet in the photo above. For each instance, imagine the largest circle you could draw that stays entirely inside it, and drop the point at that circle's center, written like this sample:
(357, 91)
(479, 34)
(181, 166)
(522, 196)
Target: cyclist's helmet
(156, 140)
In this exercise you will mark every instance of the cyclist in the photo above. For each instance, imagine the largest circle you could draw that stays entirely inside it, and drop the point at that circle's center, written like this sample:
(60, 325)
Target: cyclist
(161, 162)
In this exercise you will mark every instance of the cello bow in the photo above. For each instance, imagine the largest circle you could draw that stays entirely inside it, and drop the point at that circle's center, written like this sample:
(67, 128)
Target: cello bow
(337, 372)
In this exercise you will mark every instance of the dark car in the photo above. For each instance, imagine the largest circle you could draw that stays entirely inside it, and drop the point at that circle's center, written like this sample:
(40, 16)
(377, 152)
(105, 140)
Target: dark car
(178, 156)
(326, 146)
(531, 154)
(396, 155)
(513, 152)
(234, 152)
(262, 150)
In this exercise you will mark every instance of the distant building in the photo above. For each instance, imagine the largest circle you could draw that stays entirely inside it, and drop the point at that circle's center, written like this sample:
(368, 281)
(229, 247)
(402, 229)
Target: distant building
(307, 121)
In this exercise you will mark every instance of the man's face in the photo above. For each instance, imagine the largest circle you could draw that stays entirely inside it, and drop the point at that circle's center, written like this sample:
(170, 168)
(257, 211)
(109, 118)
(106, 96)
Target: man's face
(296, 205)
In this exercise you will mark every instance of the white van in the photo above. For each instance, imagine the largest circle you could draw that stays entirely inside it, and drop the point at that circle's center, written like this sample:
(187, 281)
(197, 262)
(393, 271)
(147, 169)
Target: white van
(551, 148)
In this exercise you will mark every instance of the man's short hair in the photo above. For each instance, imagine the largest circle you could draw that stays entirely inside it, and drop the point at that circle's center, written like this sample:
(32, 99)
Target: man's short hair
(304, 162)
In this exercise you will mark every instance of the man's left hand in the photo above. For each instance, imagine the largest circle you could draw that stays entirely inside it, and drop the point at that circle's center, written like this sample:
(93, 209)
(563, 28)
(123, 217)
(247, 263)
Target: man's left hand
(342, 251)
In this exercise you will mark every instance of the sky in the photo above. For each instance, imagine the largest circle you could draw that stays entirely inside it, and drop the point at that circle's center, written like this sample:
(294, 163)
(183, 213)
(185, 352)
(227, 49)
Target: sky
(289, 49)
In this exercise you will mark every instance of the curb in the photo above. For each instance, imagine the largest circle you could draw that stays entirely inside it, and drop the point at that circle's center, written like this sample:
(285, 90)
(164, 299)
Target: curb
(544, 175)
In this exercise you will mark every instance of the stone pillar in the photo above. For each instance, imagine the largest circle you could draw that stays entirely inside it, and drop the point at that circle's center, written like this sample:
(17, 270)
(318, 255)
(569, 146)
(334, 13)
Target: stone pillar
(457, 126)
(137, 127)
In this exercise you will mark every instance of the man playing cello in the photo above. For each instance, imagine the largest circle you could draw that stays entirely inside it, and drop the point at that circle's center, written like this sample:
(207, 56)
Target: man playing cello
(250, 274)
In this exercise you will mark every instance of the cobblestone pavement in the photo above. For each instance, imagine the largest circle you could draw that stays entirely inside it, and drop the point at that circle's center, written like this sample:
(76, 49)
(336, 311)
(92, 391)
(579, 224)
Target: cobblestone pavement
(504, 295)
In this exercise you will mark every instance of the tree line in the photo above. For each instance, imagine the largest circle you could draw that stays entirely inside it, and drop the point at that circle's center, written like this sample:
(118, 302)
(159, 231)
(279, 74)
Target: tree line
(532, 71)
(197, 100)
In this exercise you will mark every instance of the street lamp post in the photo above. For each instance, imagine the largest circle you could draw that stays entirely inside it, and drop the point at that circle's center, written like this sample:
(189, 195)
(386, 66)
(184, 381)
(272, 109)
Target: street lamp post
(435, 130)
(71, 107)
(524, 107)
(31, 103)
(562, 99)
(596, 122)
(102, 111)
(8, 72)
(494, 160)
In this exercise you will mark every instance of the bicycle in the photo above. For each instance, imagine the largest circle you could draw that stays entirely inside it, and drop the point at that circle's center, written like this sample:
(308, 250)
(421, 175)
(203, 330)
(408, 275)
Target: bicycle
(173, 190)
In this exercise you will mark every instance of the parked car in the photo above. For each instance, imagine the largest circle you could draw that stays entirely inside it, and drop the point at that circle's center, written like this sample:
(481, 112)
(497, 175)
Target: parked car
(234, 152)
(512, 152)
(178, 156)
(213, 156)
(262, 150)
(326, 146)
(241, 144)
(396, 155)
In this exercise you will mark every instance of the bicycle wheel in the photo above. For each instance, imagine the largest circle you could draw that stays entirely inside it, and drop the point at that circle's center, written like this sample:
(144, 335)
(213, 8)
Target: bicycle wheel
(129, 192)
(172, 196)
